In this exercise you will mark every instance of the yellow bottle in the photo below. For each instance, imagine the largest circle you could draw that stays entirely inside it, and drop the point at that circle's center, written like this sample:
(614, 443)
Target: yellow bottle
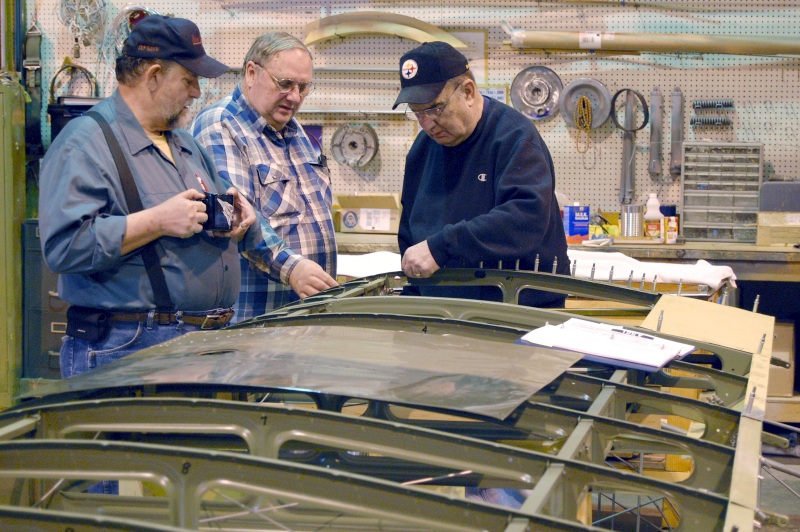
(672, 230)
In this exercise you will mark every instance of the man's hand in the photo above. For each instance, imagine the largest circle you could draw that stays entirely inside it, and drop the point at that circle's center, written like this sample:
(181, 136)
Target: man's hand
(308, 278)
(243, 216)
(418, 262)
(182, 216)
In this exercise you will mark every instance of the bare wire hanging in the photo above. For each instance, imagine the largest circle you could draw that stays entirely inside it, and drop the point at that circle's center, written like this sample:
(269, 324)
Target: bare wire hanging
(85, 20)
(120, 28)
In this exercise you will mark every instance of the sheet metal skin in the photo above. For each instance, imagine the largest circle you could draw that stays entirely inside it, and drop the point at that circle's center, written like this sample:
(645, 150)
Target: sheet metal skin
(447, 371)
(728, 388)
(377, 308)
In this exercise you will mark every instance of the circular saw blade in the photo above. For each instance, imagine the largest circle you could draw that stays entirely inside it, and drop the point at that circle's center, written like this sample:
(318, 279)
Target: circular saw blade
(354, 145)
(596, 92)
(535, 92)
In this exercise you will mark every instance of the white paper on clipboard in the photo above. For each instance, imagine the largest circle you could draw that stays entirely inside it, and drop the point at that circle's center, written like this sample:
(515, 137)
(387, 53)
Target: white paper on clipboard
(609, 343)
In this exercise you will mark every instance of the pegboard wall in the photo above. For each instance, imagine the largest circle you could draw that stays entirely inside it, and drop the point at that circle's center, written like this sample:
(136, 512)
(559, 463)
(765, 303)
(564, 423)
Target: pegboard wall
(357, 81)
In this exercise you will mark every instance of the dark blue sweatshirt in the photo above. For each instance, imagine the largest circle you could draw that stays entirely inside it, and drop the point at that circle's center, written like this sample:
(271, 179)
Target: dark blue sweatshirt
(489, 199)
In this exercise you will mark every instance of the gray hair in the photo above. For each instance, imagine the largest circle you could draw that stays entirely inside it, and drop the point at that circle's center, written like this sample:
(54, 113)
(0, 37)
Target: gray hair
(458, 80)
(129, 69)
(270, 44)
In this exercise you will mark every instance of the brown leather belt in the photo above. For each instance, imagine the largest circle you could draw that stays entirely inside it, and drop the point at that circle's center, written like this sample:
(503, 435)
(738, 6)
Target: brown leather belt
(209, 321)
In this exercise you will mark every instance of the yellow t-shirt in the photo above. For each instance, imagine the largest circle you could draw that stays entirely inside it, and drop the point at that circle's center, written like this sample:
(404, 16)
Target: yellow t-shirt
(161, 143)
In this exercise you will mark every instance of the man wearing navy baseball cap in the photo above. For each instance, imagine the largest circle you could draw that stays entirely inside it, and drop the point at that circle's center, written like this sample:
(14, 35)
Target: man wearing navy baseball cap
(178, 39)
(95, 238)
(479, 183)
(424, 71)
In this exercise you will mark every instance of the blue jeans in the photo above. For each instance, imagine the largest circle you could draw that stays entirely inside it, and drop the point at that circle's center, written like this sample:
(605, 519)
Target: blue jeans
(79, 356)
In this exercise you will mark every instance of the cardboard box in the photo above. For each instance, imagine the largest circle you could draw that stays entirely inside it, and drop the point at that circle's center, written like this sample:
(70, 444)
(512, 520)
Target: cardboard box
(778, 228)
(576, 223)
(370, 213)
(781, 380)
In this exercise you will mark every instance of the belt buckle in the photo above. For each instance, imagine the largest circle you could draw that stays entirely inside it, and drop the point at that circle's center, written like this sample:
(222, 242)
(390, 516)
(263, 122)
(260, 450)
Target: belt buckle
(212, 321)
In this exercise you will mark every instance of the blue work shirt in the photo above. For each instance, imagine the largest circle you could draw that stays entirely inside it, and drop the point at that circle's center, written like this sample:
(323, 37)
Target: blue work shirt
(83, 213)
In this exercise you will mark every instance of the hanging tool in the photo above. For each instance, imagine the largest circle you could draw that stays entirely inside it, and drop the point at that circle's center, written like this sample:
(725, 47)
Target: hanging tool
(642, 102)
(596, 92)
(32, 66)
(627, 180)
(710, 120)
(724, 103)
(535, 92)
(656, 111)
(583, 121)
(70, 69)
(354, 145)
(676, 125)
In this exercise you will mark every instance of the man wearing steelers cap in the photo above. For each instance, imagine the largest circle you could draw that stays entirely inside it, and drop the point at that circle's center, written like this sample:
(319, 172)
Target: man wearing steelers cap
(479, 182)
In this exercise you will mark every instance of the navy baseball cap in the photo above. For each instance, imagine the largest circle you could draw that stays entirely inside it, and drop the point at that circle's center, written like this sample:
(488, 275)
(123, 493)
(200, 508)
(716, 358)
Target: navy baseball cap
(425, 70)
(177, 39)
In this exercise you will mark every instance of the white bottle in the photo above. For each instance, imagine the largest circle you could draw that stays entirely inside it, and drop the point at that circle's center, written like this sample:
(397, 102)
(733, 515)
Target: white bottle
(654, 220)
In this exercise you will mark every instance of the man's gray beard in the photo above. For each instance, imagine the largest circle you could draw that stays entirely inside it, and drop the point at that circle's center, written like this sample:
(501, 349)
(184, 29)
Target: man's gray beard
(180, 121)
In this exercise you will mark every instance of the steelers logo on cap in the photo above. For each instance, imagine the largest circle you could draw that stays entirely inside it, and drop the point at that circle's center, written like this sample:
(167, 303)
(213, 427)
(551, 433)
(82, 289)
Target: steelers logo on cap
(409, 69)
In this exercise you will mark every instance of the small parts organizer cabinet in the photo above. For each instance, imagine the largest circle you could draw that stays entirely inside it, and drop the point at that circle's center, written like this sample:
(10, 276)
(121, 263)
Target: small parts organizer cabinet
(719, 191)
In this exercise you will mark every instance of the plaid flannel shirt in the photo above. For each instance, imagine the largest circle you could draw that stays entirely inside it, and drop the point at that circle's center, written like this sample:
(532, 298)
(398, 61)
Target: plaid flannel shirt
(284, 178)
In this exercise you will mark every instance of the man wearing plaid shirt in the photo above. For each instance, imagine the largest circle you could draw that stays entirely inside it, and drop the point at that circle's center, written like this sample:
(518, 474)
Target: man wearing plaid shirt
(258, 145)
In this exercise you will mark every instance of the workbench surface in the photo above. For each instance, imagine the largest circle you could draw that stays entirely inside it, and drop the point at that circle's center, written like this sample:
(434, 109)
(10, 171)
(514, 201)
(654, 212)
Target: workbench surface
(748, 261)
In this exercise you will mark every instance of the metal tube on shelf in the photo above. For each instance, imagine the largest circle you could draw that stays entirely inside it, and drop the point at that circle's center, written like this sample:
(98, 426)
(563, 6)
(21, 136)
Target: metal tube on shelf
(654, 42)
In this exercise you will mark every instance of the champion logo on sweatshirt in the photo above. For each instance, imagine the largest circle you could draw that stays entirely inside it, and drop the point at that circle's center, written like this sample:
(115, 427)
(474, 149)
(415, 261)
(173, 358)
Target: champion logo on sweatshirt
(481, 177)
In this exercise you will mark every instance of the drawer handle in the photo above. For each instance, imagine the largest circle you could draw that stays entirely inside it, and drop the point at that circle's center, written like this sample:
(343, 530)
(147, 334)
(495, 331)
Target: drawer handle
(58, 327)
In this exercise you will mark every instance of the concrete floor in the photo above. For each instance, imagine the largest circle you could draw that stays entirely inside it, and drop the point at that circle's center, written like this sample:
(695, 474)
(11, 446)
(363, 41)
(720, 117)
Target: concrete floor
(777, 498)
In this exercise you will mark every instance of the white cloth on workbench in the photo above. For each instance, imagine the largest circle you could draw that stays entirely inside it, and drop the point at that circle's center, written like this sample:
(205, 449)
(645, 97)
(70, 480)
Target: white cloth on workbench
(701, 272)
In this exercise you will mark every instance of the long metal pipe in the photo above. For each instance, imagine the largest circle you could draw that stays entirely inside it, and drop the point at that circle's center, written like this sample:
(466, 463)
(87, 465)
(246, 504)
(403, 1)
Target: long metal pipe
(627, 178)
(656, 124)
(654, 42)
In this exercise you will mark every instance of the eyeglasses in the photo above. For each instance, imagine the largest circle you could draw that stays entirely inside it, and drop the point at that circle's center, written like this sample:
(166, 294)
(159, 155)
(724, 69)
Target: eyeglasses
(285, 85)
(431, 113)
